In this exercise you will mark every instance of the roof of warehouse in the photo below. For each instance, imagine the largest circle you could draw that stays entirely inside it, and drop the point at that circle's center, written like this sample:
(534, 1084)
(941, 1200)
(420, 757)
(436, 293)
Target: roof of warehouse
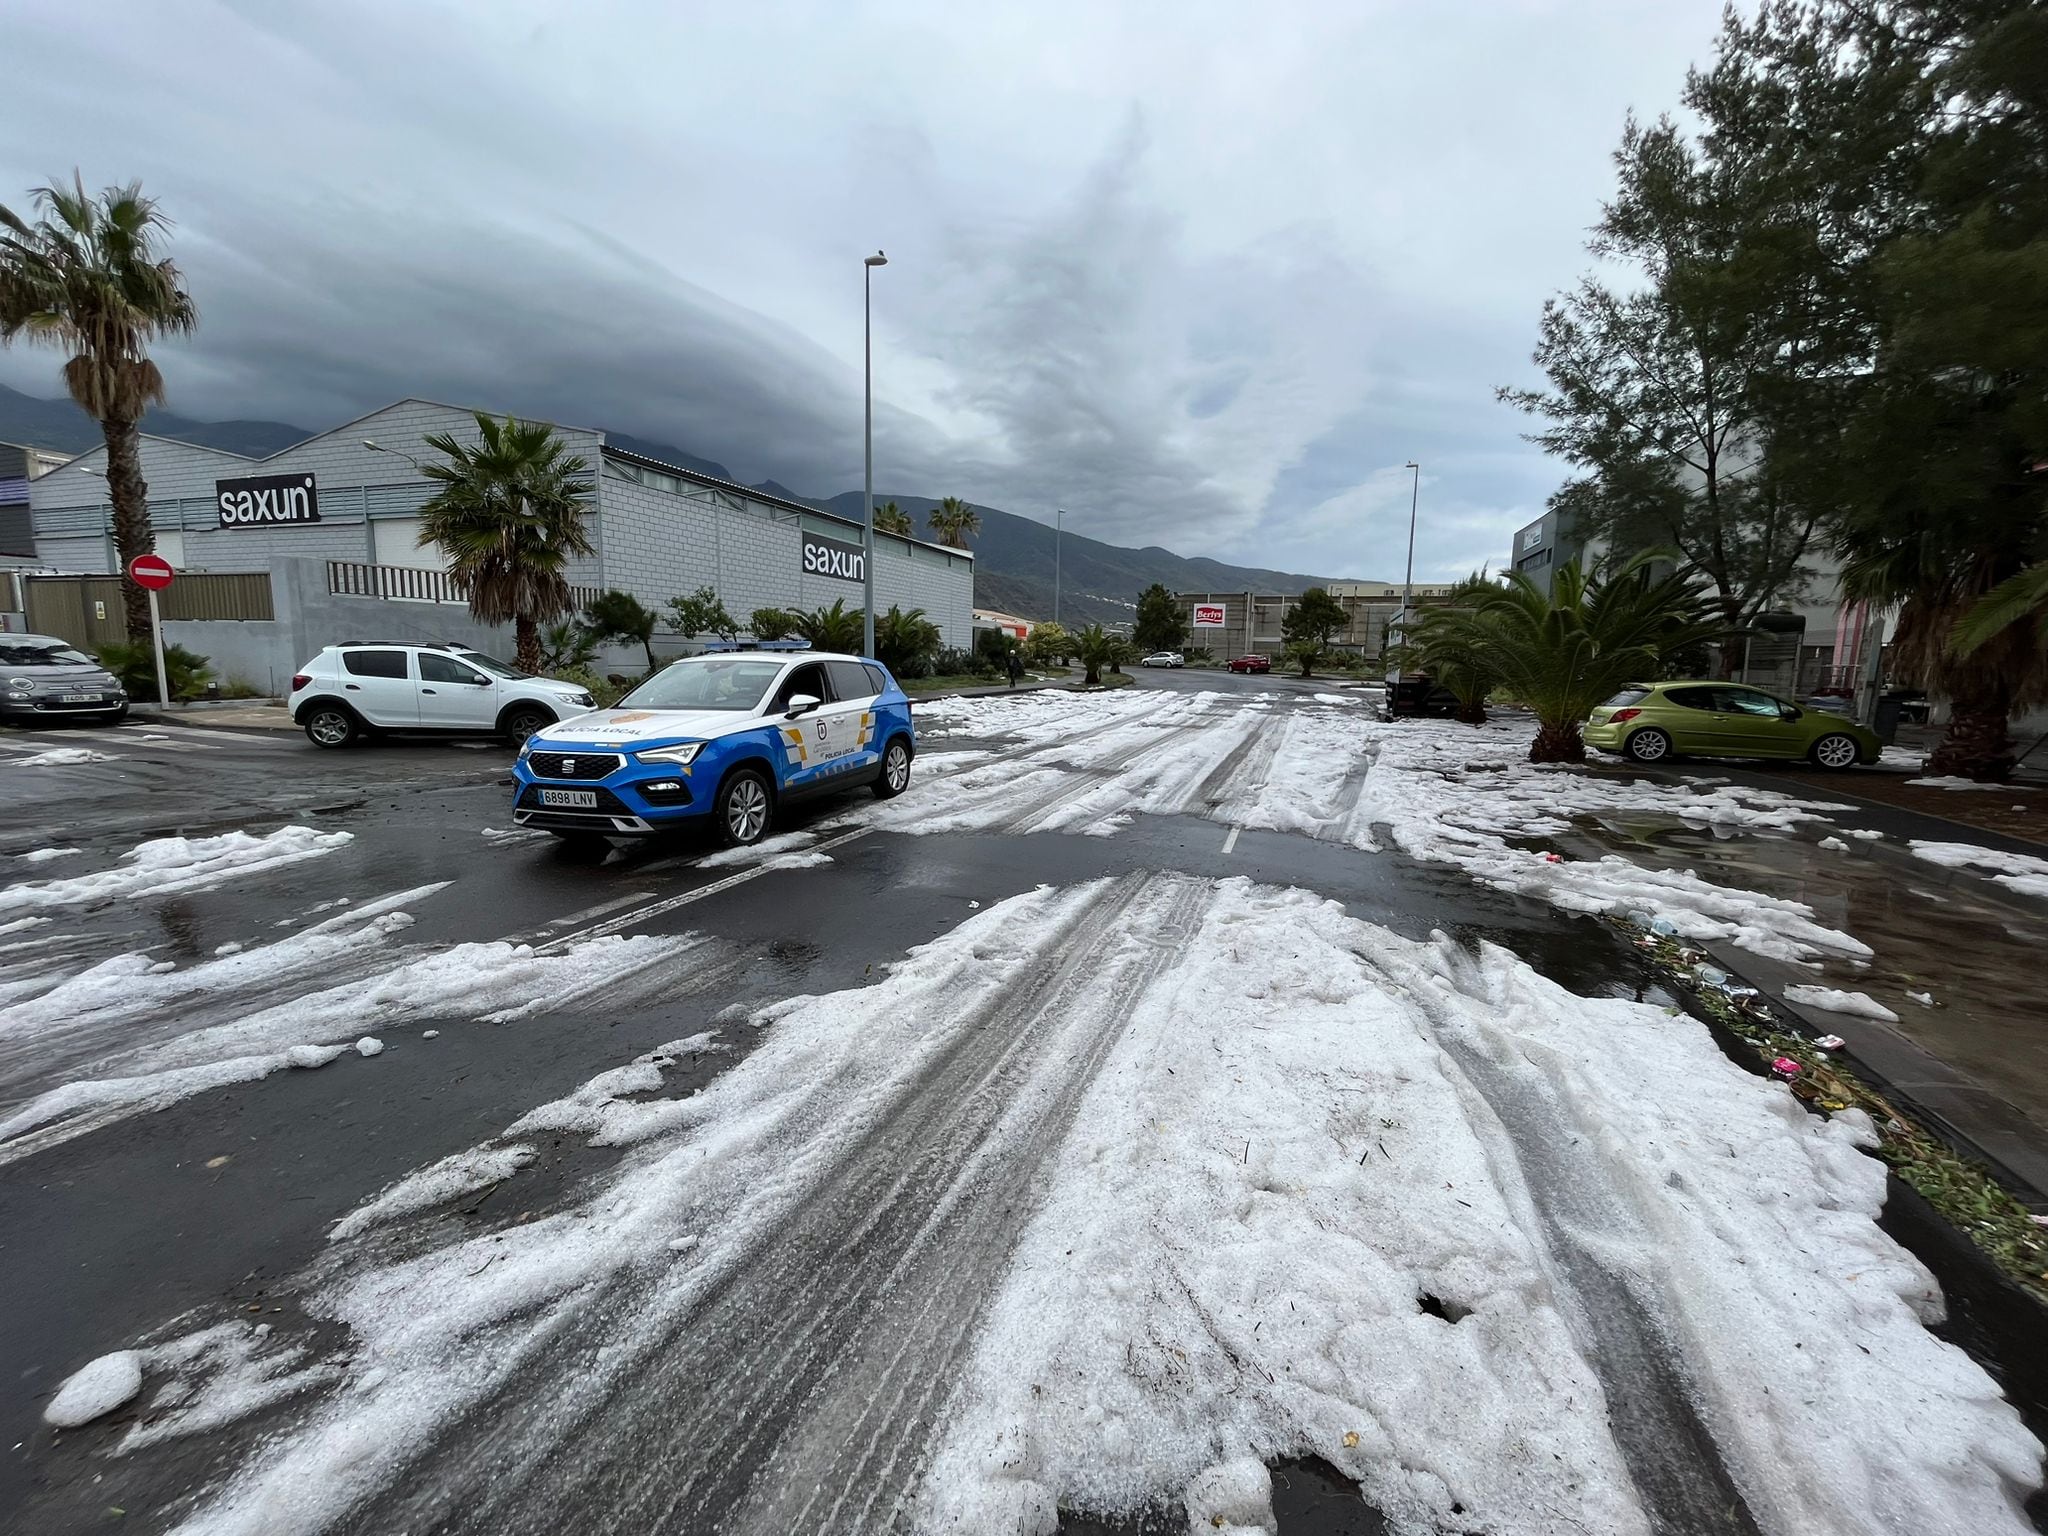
(766, 498)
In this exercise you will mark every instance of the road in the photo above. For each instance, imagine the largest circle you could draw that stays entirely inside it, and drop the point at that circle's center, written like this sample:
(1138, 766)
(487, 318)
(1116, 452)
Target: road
(738, 1171)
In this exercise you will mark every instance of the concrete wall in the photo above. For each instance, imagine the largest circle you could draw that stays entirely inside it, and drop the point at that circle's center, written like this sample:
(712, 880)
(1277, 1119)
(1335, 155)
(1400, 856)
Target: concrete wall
(266, 653)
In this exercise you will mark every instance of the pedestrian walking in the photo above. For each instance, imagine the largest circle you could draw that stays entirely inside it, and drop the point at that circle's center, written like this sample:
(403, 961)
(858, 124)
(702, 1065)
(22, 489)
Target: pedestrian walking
(1016, 668)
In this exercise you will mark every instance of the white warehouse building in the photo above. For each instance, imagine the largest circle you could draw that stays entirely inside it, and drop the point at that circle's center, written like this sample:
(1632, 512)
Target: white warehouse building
(339, 511)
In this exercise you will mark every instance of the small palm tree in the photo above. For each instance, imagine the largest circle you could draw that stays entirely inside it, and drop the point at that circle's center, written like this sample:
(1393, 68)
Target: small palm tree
(566, 646)
(831, 629)
(953, 520)
(1097, 648)
(1564, 651)
(86, 278)
(890, 518)
(906, 642)
(509, 516)
(1433, 647)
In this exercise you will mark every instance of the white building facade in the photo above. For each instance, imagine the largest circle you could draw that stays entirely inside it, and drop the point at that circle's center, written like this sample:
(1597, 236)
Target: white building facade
(351, 497)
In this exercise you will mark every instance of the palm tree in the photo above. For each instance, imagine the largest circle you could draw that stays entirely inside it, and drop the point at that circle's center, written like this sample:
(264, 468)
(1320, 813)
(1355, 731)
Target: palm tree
(1563, 652)
(86, 278)
(890, 518)
(1971, 627)
(1432, 646)
(509, 516)
(566, 646)
(831, 629)
(906, 642)
(2018, 601)
(953, 520)
(1097, 648)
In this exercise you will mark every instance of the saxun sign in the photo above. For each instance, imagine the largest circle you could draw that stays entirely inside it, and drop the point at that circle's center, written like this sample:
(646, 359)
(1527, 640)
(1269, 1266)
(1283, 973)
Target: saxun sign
(830, 557)
(267, 501)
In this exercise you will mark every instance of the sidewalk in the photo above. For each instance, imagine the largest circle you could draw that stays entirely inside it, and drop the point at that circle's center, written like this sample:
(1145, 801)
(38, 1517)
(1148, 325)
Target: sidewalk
(1956, 955)
(221, 714)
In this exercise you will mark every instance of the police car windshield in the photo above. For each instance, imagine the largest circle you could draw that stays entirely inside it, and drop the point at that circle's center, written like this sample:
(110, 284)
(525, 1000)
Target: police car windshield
(706, 682)
(41, 653)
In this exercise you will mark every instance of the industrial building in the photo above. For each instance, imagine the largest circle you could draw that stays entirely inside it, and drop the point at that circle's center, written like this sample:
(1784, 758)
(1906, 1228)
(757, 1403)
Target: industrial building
(1243, 623)
(332, 526)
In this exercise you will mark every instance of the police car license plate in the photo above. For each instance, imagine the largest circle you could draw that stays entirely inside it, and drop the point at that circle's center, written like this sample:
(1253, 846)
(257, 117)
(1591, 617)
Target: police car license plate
(570, 799)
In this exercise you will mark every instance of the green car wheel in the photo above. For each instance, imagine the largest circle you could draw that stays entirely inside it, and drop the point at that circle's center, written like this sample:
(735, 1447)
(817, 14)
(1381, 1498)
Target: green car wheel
(1651, 746)
(1835, 751)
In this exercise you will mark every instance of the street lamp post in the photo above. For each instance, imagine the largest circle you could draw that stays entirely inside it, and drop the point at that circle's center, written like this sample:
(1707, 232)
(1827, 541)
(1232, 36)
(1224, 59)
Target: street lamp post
(1408, 578)
(867, 564)
(1058, 534)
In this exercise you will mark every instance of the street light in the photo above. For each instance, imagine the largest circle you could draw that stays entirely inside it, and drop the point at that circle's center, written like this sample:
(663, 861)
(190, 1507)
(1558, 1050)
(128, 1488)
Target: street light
(867, 564)
(1059, 532)
(398, 452)
(1407, 580)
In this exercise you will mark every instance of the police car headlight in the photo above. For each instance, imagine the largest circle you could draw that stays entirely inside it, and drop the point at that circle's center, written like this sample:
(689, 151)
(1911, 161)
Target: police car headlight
(683, 755)
(525, 747)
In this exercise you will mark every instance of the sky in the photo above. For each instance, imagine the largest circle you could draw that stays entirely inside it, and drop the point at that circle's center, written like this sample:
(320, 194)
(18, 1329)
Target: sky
(1207, 275)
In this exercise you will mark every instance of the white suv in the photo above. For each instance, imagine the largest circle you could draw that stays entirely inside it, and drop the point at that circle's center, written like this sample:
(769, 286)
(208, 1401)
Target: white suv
(369, 687)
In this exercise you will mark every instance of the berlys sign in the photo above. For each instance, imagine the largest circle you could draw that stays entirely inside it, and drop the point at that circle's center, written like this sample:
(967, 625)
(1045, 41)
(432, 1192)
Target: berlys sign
(1210, 616)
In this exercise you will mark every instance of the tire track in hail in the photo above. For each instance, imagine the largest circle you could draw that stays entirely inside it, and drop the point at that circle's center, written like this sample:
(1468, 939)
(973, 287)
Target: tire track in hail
(813, 1367)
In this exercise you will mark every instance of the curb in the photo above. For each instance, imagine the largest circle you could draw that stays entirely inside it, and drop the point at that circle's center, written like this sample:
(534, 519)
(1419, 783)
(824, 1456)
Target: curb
(151, 714)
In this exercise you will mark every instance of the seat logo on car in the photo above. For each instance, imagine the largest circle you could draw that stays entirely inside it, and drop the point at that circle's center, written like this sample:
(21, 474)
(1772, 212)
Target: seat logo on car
(568, 765)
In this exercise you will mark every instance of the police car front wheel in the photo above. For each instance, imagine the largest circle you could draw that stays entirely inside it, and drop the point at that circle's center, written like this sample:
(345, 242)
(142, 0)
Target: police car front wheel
(895, 775)
(744, 809)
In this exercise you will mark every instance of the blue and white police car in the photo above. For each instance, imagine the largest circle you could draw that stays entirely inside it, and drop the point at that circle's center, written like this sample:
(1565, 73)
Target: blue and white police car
(731, 736)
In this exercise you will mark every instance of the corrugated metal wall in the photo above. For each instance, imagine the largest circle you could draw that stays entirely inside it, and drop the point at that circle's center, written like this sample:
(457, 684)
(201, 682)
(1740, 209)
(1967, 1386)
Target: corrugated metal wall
(86, 610)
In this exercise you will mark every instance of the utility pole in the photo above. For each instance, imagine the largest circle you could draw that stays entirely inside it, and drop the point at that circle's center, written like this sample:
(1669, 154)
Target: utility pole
(1407, 580)
(1058, 534)
(867, 535)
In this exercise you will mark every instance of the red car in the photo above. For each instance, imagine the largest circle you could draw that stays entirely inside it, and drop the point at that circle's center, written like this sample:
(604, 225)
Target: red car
(1252, 664)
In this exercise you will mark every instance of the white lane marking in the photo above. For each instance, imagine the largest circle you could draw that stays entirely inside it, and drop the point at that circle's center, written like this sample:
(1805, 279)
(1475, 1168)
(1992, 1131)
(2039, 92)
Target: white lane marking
(642, 914)
(1230, 842)
(555, 923)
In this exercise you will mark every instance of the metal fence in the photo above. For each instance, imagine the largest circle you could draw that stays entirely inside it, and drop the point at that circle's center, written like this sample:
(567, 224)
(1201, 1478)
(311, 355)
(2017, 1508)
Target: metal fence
(412, 584)
(86, 610)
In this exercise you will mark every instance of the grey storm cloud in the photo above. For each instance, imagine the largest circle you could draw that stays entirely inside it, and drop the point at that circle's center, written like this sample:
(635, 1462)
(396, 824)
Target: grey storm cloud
(1207, 285)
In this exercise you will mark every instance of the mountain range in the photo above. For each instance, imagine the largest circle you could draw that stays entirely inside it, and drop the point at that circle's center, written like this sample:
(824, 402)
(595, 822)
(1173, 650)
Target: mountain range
(1014, 565)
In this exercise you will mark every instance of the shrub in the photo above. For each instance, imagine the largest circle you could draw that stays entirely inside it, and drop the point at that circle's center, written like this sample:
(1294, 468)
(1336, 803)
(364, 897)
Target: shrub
(952, 661)
(906, 642)
(603, 690)
(772, 623)
(135, 664)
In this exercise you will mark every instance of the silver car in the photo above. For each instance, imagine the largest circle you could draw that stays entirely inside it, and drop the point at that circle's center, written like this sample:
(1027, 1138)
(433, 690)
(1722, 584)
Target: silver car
(44, 678)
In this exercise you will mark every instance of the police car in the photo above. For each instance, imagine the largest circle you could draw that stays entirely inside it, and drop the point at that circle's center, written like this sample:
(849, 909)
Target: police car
(731, 737)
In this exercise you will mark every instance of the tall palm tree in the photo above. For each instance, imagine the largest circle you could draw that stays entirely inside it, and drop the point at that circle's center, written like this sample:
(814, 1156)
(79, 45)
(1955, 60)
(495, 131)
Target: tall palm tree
(509, 516)
(1966, 629)
(1563, 652)
(953, 520)
(86, 278)
(890, 518)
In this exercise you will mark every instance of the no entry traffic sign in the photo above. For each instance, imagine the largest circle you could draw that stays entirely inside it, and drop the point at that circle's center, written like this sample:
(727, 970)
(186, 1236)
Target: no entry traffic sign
(151, 571)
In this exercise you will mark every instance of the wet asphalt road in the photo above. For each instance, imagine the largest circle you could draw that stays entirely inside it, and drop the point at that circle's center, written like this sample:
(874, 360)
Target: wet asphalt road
(213, 1203)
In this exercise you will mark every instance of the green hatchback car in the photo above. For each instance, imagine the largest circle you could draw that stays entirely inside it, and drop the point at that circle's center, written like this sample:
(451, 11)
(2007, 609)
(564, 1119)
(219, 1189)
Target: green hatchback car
(1651, 722)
